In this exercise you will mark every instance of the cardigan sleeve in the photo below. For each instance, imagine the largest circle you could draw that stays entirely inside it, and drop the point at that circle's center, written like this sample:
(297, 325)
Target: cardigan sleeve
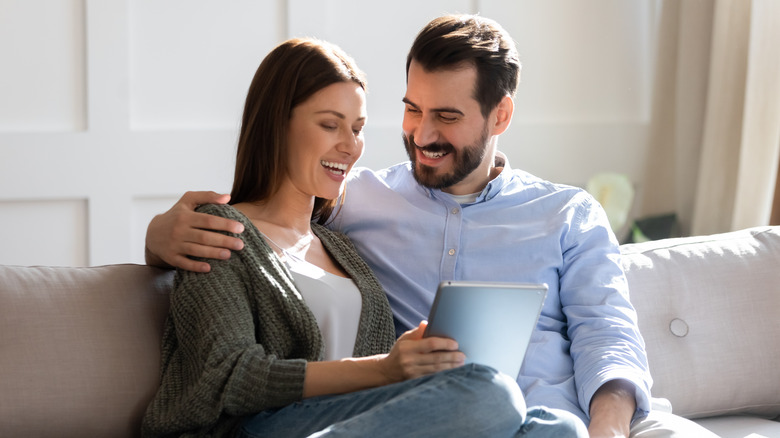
(216, 336)
(213, 365)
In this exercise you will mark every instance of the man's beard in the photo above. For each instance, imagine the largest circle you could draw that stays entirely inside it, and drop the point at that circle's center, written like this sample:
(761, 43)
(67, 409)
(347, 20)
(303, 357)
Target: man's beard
(464, 161)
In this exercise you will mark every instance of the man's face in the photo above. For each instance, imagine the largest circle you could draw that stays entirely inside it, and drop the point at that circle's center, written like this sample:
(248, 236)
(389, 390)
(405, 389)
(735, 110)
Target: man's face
(445, 134)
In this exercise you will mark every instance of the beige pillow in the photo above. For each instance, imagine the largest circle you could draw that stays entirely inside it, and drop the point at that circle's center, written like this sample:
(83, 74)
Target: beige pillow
(709, 311)
(79, 349)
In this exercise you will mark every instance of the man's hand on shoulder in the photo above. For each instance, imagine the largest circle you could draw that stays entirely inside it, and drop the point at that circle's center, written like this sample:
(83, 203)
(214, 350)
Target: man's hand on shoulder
(182, 232)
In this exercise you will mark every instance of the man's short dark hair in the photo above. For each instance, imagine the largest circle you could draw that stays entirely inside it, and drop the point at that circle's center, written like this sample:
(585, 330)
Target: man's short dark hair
(452, 41)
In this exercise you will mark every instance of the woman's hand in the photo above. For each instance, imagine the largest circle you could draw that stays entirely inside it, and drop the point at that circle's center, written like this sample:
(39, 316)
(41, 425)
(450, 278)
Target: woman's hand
(413, 356)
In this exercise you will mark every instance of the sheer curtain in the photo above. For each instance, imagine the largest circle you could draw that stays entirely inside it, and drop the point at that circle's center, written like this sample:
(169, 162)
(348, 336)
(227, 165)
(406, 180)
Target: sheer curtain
(775, 219)
(714, 135)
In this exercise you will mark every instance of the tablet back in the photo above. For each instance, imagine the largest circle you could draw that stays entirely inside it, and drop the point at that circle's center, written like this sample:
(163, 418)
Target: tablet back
(492, 322)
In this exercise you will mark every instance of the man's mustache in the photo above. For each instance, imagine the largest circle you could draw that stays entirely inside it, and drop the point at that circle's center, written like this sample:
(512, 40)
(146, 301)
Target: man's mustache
(433, 147)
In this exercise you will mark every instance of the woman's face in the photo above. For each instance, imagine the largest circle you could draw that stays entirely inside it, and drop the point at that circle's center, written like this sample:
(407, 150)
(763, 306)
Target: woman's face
(325, 139)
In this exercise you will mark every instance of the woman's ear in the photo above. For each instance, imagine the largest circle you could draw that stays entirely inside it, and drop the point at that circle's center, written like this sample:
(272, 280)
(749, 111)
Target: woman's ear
(503, 115)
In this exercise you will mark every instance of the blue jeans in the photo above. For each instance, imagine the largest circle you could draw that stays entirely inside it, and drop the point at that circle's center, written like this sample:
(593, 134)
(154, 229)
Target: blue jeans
(469, 401)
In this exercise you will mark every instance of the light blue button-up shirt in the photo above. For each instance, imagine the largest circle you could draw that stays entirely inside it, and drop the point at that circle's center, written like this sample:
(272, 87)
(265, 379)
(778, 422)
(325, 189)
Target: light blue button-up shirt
(519, 229)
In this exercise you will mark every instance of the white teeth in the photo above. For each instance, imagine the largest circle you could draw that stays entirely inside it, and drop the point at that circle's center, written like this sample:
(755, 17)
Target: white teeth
(336, 168)
(433, 155)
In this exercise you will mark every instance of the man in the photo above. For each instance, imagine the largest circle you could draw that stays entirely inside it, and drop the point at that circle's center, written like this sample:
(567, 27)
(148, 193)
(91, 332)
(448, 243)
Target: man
(457, 211)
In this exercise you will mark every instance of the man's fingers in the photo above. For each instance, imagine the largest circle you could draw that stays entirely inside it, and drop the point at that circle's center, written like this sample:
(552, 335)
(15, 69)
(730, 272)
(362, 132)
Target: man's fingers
(180, 233)
(194, 236)
(179, 260)
(215, 223)
(193, 199)
(189, 265)
(204, 251)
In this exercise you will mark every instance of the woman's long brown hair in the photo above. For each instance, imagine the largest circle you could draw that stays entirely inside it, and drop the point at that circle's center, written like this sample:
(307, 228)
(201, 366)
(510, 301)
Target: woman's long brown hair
(290, 74)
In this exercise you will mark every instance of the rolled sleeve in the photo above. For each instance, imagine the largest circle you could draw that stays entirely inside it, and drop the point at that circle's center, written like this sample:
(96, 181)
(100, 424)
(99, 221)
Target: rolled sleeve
(602, 324)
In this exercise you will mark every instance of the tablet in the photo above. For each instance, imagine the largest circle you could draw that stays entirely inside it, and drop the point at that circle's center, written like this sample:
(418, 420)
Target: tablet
(492, 322)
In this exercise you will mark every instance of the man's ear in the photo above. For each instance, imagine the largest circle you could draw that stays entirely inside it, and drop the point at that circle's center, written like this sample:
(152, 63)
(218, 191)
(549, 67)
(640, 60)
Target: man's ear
(503, 115)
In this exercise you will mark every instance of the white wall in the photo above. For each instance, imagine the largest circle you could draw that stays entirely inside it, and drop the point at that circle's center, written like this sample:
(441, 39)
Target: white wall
(111, 109)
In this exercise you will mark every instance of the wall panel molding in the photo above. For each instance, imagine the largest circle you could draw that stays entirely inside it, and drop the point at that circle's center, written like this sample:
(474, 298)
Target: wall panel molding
(44, 232)
(112, 109)
(43, 77)
(196, 77)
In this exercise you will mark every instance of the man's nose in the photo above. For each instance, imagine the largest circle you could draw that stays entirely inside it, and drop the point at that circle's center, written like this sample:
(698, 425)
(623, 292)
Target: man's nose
(425, 132)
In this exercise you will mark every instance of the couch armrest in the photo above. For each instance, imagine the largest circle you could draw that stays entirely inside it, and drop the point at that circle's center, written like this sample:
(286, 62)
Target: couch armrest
(79, 348)
(709, 311)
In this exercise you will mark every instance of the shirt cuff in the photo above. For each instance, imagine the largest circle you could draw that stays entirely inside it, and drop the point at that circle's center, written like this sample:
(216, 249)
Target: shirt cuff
(641, 392)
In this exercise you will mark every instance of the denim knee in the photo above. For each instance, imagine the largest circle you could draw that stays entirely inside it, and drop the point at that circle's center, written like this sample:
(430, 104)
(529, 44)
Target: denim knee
(544, 421)
(492, 396)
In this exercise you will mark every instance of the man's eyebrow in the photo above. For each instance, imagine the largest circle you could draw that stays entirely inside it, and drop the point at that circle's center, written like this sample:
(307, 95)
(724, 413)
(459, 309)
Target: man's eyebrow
(408, 102)
(435, 110)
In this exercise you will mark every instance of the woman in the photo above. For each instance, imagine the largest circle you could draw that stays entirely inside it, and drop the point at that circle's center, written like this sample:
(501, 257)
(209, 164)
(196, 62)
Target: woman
(293, 335)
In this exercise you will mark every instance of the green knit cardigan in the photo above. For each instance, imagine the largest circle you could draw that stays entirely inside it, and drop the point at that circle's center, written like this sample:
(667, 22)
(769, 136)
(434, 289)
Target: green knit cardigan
(237, 339)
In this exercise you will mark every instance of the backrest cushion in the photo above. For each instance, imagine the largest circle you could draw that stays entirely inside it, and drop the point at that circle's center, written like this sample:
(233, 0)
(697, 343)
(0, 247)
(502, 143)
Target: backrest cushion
(709, 311)
(79, 348)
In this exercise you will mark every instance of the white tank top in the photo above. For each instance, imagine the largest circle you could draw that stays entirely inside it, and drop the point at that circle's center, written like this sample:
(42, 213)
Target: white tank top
(335, 302)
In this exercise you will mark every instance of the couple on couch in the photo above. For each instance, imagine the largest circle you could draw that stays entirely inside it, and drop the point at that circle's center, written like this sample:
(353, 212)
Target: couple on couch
(291, 332)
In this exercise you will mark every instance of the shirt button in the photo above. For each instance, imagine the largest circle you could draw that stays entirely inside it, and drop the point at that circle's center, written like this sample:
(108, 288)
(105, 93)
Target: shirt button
(455, 210)
(451, 252)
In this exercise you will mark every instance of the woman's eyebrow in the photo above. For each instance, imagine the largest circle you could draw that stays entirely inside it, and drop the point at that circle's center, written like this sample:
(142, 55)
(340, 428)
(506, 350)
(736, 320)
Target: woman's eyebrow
(337, 114)
(334, 112)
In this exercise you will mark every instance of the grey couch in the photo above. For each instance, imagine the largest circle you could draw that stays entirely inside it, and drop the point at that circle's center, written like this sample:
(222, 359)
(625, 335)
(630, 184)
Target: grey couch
(79, 347)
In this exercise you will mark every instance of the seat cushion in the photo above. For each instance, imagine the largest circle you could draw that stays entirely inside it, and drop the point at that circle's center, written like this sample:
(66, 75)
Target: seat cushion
(735, 426)
(708, 310)
(79, 348)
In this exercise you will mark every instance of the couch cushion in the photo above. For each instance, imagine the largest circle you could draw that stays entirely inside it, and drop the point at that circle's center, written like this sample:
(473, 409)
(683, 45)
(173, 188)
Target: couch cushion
(709, 310)
(734, 426)
(79, 348)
